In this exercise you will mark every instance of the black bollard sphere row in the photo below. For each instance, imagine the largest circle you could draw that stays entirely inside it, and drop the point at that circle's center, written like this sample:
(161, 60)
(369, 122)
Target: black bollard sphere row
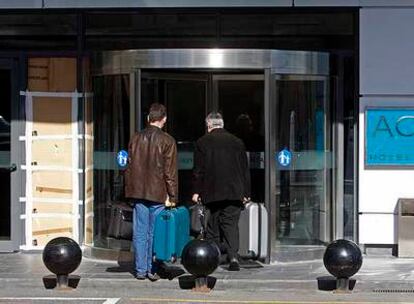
(342, 259)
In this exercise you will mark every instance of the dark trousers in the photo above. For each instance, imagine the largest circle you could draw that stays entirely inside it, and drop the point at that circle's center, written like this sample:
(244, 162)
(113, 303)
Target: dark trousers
(223, 225)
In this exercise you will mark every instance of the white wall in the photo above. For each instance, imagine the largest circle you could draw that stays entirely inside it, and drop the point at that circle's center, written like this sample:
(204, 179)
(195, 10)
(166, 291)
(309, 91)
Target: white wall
(386, 79)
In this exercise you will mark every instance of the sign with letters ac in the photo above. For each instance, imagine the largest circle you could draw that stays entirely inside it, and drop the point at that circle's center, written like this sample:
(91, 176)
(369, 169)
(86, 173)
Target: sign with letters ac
(389, 137)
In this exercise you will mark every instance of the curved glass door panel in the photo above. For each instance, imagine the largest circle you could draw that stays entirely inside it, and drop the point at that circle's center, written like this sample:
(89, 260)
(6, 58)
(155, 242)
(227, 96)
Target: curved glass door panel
(303, 157)
(185, 96)
(111, 114)
(239, 97)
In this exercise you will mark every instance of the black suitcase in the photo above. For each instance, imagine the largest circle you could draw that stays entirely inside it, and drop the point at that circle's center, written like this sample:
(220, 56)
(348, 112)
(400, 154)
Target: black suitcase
(120, 222)
(198, 219)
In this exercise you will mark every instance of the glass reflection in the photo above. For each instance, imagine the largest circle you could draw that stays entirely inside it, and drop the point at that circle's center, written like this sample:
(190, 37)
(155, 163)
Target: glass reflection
(186, 103)
(242, 105)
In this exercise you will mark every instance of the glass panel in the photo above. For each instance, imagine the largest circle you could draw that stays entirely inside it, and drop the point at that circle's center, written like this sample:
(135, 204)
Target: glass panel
(5, 116)
(242, 105)
(350, 132)
(186, 103)
(349, 207)
(111, 112)
(302, 176)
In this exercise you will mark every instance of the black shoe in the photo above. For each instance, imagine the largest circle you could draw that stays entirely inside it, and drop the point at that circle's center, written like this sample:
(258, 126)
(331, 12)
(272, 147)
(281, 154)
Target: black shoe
(153, 277)
(140, 276)
(234, 265)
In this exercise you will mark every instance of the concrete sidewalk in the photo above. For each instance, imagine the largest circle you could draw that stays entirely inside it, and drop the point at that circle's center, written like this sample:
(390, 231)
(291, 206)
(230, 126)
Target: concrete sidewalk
(381, 279)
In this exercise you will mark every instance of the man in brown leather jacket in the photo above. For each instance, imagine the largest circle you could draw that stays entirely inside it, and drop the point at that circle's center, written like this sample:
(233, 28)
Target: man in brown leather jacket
(151, 180)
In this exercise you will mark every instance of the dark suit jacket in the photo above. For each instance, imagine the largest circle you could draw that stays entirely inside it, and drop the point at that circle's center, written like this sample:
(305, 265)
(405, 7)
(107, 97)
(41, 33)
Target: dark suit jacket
(221, 169)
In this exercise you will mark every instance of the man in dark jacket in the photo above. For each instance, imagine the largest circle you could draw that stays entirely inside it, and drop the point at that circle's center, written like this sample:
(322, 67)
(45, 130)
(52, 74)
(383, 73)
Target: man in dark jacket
(151, 180)
(222, 179)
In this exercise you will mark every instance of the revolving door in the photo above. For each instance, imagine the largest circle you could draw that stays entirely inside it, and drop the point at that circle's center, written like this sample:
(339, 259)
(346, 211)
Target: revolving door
(273, 100)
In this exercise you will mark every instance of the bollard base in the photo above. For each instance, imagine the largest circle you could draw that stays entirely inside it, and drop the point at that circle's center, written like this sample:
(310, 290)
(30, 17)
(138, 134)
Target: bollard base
(201, 285)
(342, 285)
(61, 283)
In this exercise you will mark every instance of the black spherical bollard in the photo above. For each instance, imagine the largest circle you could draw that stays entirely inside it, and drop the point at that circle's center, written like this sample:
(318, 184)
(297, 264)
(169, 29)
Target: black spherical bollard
(62, 256)
(342, 259)
(200, 258)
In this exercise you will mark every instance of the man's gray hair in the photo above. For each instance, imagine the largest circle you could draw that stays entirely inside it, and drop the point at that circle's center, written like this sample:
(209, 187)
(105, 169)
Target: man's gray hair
(214, 120)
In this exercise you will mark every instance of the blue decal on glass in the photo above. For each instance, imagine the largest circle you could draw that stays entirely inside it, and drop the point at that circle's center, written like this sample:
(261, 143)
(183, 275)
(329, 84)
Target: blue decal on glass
(284, 157)
(389, 137)
(122, 158)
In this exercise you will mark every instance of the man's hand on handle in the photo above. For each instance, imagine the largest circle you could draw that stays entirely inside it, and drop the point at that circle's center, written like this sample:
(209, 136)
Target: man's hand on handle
(246, 200)
(195, 198)
(168, 203)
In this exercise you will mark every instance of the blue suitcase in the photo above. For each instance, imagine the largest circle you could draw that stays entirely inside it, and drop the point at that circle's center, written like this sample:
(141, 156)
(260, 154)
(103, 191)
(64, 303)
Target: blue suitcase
(183, 229)
(171, 233)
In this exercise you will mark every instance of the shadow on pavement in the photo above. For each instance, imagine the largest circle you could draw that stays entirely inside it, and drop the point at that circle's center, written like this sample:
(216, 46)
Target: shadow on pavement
(50, 281)
(188, 282)
(328, 283)
(122, 267)
(165, 271)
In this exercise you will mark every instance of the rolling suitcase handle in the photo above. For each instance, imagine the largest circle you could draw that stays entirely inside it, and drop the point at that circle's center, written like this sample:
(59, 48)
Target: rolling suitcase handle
(202, 217)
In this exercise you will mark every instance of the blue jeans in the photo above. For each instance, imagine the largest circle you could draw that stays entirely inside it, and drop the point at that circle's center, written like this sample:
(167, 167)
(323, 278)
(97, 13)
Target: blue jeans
(145, 213)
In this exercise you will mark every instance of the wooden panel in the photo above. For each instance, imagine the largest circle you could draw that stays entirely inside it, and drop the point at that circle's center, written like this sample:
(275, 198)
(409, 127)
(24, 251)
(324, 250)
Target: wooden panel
(89, 184)
(52, 152)
(89, 153)
(89, 117)
(52, 116)
(38, 74)
(52, 184)
(46, 124)
(62, 75)
(52, 74)
(39, 207)
(89, 207)
(45, 229)
(89, 230)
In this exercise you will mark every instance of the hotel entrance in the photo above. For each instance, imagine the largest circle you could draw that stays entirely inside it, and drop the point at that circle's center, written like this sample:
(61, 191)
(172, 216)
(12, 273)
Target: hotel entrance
(189, 96)
(277, 102)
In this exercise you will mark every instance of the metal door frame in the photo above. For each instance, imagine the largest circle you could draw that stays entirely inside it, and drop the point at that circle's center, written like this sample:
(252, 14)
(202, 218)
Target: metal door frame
(15, 158)
(280, 62)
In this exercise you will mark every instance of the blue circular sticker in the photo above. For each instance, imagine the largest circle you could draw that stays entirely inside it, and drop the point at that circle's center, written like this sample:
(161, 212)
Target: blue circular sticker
(122, 158)
(284, 157)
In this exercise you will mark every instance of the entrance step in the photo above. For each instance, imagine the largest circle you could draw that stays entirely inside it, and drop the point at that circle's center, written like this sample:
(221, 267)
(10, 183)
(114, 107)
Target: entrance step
(284, 254)
(297, 253)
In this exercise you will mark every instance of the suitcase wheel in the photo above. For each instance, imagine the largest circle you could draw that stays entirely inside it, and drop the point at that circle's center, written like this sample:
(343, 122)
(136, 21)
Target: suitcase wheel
(173, 259)
(154, 258)
(252, 254)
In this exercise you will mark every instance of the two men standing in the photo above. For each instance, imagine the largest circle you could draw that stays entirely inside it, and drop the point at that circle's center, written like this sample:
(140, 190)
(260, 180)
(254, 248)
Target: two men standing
(222, 179)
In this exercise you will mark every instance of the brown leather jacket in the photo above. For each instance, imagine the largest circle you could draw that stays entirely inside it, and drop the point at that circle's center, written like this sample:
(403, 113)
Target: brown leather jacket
(152, 169)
